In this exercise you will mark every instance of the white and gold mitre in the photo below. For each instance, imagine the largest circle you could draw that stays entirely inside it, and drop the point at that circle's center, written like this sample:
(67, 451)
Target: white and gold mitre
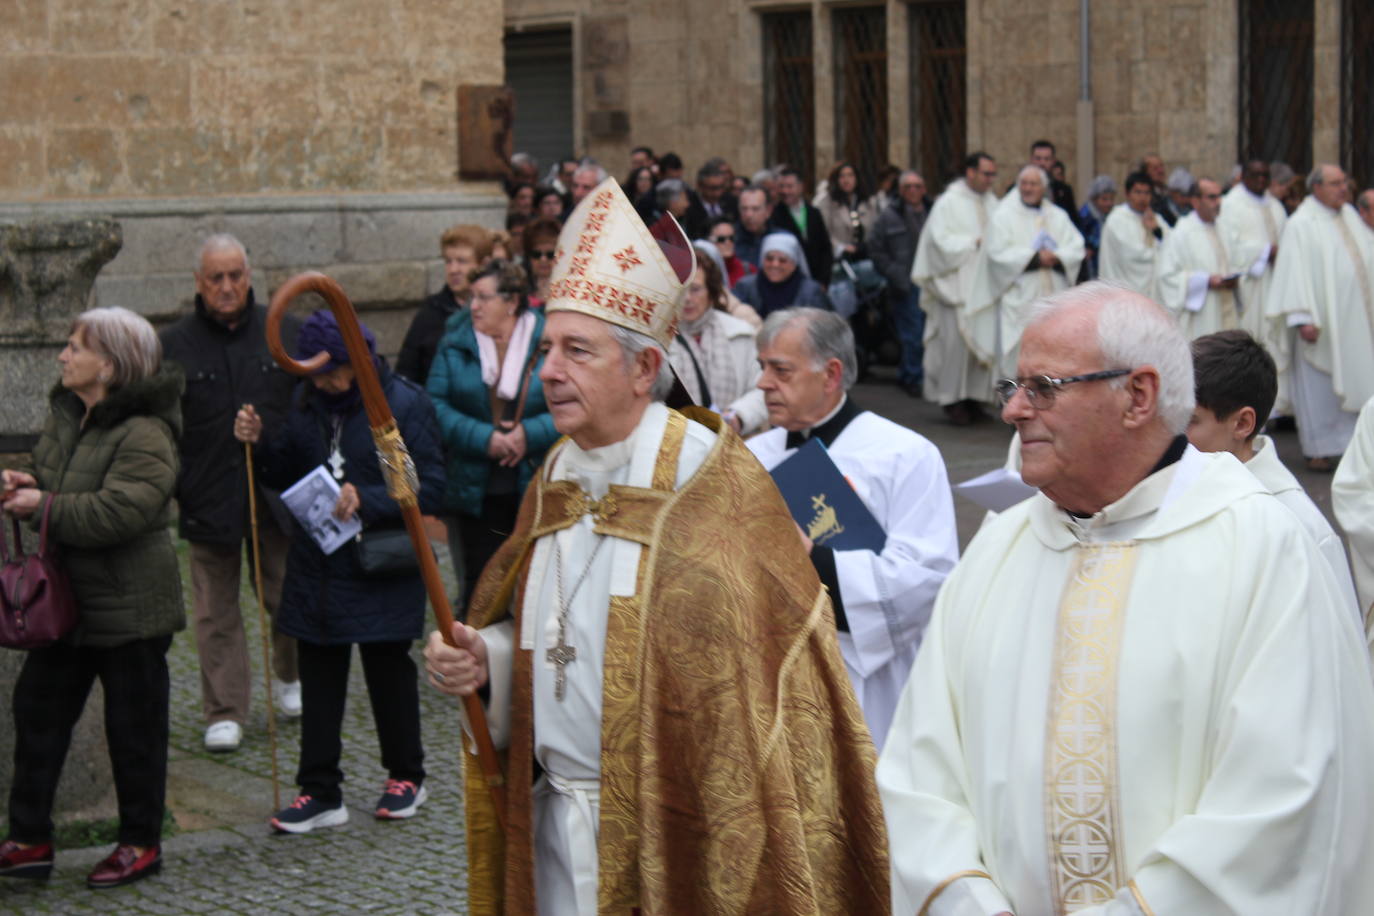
(608, 266)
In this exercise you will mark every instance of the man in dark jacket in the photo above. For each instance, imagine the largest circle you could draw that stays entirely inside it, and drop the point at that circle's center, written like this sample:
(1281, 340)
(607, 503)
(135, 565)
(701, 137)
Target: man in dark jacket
(793, 214)
(892, 245)
(223, 351)
(464, 248)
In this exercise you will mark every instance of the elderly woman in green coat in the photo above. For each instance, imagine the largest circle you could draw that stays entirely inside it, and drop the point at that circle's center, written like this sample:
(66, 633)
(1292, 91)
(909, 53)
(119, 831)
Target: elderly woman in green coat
(107, 460)
(485, 386)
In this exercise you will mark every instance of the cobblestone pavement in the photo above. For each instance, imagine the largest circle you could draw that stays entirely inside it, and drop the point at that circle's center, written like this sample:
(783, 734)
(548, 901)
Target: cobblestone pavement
(224, 858)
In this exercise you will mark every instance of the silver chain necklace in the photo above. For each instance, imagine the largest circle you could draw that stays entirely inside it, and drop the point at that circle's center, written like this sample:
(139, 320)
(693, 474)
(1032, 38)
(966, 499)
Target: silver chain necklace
(561, 654)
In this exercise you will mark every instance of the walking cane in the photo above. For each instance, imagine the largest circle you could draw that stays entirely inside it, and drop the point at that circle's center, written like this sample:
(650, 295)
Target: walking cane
(398, 469)
(262, 625)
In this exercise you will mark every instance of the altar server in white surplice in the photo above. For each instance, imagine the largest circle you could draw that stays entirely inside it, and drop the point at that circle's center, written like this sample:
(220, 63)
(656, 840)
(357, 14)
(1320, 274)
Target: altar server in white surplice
(1255, 219)
(882, 600)
(1031, 249)
(1131, 237)
(1141, 692)
(1198, 267)
(943, 269)
(1324, 287)
(1235, 385)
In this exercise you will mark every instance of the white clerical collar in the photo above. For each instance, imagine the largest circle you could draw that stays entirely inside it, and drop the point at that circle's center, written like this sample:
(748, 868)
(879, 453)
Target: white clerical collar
(830, 416)
(639, 450)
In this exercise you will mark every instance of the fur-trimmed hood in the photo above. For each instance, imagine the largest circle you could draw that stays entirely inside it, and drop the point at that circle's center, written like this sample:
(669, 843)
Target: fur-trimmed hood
(158, 396)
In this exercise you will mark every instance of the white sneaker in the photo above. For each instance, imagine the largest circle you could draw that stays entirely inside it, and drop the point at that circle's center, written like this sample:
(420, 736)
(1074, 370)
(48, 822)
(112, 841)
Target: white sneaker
(223, 736)
(287, 696)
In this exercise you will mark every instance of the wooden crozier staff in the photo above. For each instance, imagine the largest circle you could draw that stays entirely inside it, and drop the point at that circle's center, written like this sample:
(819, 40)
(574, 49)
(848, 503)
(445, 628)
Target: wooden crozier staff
(402, 483)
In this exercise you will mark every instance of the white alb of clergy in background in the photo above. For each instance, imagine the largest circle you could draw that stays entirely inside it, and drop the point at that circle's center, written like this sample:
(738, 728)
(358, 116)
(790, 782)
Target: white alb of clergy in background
(1352, 499)
(1192, 253)
(1278, 480)
(943, 269)
(1008, 275)
(1130, 251)
(1324, 278)
(1255, 222)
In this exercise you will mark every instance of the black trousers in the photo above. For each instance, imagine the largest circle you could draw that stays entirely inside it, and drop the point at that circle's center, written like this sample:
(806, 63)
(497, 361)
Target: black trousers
(392, 686)
(48, 698)
(484, 535)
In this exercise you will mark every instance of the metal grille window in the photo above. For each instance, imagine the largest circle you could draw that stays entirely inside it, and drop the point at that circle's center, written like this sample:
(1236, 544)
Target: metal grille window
(539, 67)
(789, 89)
(939, 90)
(861, 90)
(1276, 81)
(1357, 90)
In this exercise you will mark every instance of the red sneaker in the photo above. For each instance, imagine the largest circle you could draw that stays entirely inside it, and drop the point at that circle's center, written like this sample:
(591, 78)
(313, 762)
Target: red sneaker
(125, 865)
(32, 862)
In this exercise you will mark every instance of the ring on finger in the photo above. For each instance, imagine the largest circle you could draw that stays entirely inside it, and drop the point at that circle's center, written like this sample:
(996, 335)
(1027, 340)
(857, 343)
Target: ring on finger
(439, 677)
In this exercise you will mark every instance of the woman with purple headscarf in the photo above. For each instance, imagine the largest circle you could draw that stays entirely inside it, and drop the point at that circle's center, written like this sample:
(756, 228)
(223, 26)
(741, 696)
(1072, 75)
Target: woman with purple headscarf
(332, 601)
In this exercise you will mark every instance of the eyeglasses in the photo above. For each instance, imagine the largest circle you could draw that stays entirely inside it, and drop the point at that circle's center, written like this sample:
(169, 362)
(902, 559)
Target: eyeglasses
(541, 254)
(722, 239)
(1041, 389)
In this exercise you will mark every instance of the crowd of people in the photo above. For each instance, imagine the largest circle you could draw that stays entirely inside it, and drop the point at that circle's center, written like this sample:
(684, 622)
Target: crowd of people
(1145, 688)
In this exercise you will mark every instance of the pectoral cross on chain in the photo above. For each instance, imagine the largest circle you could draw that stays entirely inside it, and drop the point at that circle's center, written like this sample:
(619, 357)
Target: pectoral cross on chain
(559, 656)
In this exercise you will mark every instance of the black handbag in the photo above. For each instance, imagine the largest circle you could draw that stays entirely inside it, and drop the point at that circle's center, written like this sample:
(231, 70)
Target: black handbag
(386, 552)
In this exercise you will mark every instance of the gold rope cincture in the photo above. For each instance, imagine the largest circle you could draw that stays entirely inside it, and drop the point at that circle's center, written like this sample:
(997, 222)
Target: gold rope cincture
(1082, 816)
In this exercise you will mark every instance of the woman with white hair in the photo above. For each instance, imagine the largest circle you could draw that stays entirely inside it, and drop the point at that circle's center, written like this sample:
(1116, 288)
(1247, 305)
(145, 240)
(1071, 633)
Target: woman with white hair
(783, 280)
(101, 479)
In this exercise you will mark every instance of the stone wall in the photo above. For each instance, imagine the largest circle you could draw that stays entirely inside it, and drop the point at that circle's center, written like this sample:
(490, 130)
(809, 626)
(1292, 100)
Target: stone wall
(688, 77)
(324, 135)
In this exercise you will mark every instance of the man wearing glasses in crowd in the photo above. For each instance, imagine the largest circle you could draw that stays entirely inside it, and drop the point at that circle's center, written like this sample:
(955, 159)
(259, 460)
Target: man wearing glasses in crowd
(1140, 691)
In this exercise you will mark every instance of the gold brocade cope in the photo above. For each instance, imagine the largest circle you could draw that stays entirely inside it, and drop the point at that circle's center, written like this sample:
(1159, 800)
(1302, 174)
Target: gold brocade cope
(1082, 809)
(736, 769)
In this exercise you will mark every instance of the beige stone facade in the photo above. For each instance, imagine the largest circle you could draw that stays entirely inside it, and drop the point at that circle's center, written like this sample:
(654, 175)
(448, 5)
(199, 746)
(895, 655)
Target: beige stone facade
(1163, 78)
(324, 133)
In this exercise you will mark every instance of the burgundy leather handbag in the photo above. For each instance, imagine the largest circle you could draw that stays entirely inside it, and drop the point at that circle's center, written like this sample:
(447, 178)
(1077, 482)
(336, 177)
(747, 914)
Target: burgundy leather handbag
(36, 604)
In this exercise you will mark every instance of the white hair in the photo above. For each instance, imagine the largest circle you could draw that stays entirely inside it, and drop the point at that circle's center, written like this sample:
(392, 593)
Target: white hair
(220, 241)
(1036, 170)
(1133, 331)
(1318, 174)
(591, 165)
(633, 343)
(123, 337)
(828, 336)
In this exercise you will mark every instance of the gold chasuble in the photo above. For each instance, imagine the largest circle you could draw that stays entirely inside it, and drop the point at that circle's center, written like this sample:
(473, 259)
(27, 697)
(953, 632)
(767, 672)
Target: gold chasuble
(736, 769)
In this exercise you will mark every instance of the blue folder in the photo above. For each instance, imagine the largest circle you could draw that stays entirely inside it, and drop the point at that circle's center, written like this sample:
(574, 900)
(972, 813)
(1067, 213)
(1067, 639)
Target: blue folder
(824, 504)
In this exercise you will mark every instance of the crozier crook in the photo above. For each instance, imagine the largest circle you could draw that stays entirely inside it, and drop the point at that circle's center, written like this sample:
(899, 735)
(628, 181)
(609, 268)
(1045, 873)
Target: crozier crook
(398, 469)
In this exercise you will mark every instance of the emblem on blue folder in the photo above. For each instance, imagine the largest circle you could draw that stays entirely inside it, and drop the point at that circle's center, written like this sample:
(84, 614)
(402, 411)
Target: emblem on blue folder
(823, 503)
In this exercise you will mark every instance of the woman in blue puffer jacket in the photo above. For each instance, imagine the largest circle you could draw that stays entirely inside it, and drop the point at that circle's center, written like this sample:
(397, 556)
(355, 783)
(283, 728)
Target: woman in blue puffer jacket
(496, 427)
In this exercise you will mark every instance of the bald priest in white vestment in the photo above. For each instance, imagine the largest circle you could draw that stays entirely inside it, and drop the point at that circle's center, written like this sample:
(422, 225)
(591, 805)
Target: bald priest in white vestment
(1199, 267)
(943, 269)
(661, 657)
(1140, 692)
(882, 600)
(1324, 289)
(1131, 238)
(1255, 219)
(1031, 249)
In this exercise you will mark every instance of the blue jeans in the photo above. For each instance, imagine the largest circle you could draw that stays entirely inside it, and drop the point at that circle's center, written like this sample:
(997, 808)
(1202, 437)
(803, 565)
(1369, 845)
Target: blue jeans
(911, 328)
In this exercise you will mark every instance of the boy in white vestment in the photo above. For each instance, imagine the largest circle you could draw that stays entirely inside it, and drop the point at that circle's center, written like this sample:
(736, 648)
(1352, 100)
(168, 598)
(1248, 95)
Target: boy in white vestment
(1235, 385)
(1141, 691)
